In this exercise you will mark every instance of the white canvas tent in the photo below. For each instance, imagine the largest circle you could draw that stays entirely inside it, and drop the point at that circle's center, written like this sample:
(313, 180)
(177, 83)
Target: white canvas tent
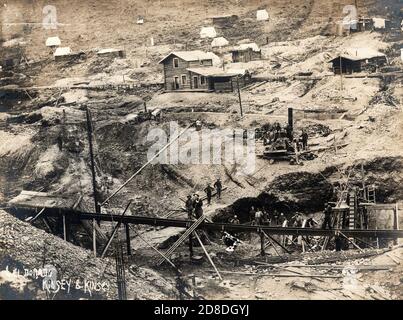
(379, 23)
(208, 32)
(262, 15)
(219, 42)
(62, 51)
(53, 42)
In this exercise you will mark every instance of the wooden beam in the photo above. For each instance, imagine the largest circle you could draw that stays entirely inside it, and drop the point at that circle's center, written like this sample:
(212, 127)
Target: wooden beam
(191, 244)
(208, 256)
(115, 229)
(64, 227)
(275, 241)
(352, 242)
(262, 252)
(32, 219)
(94, 237)
(236, 228)
(159, 252)
(279, 274)
(129, 249)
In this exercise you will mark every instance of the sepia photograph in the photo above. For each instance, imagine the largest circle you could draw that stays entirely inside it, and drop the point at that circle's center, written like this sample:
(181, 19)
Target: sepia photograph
(204, 155)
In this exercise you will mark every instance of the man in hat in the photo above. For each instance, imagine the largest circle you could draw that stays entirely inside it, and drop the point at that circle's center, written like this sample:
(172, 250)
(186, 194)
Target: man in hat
(189, 206)
(328, 214)
(198, 206)
(235, 220)
(209, 191)
(218, 186)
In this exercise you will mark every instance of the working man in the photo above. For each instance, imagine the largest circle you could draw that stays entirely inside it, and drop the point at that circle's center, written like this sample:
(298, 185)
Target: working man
(304, 139)
(258, 217)
(218, 186)
(282, 219)
(288, 129)
(235, 220)
(198, 206)
(252, 213)
(209, 191)
(275, 217)
(328, 214)
(189, 206)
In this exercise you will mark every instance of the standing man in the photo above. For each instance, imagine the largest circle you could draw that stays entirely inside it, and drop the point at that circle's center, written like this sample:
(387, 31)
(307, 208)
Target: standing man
(275, 217)
(218, 186)
(198, 204)
(258, 217)
(208, 190)
(304, 139)
(189, 206)
(235, 220)
(288, 129)
(252, 213)
(328, 214)
(282, 219)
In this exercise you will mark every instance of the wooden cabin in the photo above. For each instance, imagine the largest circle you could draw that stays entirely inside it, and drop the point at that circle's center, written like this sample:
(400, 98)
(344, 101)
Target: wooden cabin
(358, 60)
(194, 71)
(111, 53)
(246, 52)
(176, 75)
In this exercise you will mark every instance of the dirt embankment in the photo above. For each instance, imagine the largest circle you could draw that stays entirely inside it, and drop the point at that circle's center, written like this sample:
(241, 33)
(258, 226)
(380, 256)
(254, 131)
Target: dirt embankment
(23, 246)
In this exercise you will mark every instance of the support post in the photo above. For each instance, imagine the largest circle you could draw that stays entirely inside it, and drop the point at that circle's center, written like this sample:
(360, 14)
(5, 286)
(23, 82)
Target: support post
(94, 182)
(207, 255)
(191, 245)
(341, 74)
(291, 118)
(396, 222)
(129, 249)
(64, 227)
(262, 252)
(94, 237)
(239, 95)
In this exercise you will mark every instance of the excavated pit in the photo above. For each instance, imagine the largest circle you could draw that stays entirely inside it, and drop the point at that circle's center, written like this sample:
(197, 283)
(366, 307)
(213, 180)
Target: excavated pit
(289, 193)
(308, 192)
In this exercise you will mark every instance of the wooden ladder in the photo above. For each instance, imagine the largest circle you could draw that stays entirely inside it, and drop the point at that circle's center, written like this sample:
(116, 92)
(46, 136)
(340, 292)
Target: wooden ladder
(352, 210)
(371, 195)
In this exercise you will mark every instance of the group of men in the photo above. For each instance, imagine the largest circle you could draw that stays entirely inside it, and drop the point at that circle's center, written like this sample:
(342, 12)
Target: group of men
(280, 137)
(260, 216)
(194, 205)
(209, 190)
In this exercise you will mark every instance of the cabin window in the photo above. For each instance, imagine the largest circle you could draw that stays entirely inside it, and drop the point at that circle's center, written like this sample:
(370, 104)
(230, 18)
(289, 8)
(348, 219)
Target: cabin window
(184, 79)
(202, 80)
(176, 63)
(201, 62)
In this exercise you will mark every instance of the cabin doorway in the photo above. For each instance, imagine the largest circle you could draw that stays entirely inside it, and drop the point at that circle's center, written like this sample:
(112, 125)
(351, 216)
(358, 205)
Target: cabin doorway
(176, 83)
(195, 82)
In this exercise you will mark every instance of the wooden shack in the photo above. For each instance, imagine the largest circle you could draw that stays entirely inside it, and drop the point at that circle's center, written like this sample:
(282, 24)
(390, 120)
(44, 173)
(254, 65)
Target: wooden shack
(219, 80)
(111, 53)
(194, 71)
(246, 52)
(224, 21)
(176, 75)
(358, 60)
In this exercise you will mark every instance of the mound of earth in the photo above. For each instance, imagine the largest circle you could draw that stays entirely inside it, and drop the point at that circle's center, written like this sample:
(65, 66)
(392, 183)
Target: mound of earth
(28, 249)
